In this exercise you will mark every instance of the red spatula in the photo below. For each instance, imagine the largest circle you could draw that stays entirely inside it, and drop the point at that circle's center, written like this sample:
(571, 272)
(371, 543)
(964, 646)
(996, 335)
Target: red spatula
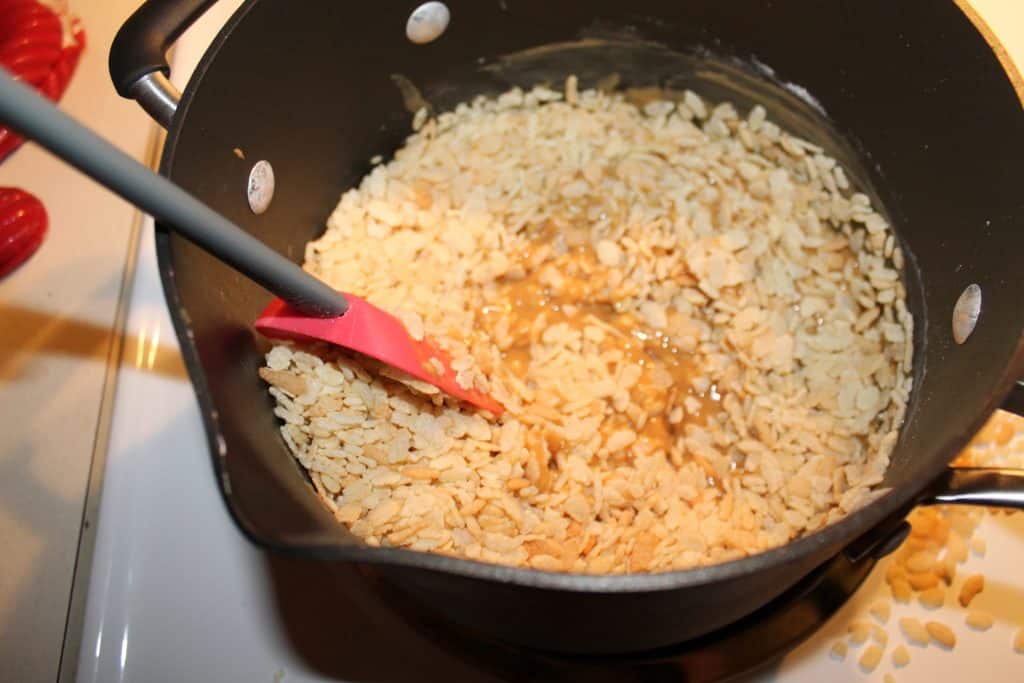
(307, 309)
(376, 333)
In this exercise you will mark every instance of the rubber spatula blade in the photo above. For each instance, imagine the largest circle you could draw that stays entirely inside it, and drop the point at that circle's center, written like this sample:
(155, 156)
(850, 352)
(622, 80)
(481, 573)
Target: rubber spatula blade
(378, 334)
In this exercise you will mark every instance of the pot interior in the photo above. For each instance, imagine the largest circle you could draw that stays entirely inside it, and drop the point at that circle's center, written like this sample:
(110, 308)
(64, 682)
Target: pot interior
(908, 96)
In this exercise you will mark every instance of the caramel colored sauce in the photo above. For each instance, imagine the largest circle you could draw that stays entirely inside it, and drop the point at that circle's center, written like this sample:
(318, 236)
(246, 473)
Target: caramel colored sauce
(569, 285)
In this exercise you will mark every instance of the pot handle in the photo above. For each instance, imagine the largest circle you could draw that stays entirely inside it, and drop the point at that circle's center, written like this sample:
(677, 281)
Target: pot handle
(978, 486)
(138, 62)
(982, 485)
(986, 486)
(1015, 401)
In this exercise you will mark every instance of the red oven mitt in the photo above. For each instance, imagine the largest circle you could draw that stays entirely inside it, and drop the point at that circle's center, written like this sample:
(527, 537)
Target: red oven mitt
(22, 227)
(33, 49)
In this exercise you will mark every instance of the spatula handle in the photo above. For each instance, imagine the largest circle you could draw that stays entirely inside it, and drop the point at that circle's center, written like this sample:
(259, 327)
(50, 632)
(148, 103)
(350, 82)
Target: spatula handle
(35, 118)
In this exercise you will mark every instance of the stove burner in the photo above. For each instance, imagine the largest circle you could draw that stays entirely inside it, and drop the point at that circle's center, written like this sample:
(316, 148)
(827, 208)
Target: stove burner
(368, 627)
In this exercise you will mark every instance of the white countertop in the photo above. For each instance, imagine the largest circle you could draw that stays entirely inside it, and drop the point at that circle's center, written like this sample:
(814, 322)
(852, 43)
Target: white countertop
(56, 320)
(57, 315)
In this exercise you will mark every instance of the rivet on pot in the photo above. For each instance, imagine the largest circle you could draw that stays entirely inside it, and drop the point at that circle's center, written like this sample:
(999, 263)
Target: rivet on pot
(966, 313)
(427, 22)
(260, 189)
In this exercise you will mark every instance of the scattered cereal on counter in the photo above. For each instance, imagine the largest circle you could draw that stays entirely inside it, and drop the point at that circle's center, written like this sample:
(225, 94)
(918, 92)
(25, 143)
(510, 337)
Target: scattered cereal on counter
(973, 585)
(956, 548)
(979, 621)
(921, 561)
(859, 632)
(1000, 443)
(933, 597)
(941, 634)
(923, 581)
(880, 611)
(871, 657)
(914, 630)
(901, 590)
(927, 560)
(926, 564)
(839, 650)
(998, 431)
(946, 570)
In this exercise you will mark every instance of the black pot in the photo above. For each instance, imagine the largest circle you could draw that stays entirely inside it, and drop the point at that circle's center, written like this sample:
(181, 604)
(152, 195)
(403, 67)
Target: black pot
(909, 95)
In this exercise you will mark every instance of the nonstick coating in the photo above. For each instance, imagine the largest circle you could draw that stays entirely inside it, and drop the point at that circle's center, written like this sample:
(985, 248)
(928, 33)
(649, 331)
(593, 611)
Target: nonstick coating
(913, 98)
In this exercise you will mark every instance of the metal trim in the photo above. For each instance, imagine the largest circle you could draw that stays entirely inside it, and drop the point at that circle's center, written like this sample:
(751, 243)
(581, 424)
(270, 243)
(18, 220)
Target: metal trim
(67, 669)
(991, 487)
(157, 96)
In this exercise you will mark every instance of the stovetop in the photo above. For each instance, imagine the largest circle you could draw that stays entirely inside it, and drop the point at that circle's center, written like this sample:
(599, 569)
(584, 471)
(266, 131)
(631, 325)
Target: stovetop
(742, 648)
(176, 593)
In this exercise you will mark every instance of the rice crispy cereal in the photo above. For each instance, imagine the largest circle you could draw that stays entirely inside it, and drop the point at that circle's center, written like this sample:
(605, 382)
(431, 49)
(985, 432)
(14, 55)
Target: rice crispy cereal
(697, 328)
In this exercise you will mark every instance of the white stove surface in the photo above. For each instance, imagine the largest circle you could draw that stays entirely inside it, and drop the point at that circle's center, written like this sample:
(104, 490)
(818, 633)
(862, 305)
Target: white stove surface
(177, 594)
